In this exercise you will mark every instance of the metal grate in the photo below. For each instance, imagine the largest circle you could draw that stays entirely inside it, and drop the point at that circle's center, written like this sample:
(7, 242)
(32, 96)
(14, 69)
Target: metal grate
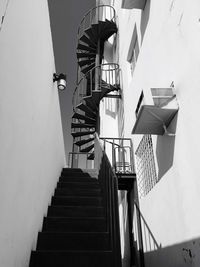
(145, 162)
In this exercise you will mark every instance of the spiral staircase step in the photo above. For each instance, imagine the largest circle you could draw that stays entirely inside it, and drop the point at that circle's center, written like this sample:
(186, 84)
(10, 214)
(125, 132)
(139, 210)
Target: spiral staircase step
(85, 48)
(84, 141)
(87, 149)
(90, 103)
(88, 110)
(81, 125)
(85, 55)
(83, 117)
(79, 134)
(95, 30)
(86, 62)
(90, 34)
(85, 70)
(91, 156)
(88, 41)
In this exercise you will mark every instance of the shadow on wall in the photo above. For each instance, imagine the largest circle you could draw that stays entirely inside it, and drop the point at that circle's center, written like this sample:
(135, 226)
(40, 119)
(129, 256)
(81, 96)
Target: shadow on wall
(165, 150)
(178, 255)
(111, 107)
(145, 19)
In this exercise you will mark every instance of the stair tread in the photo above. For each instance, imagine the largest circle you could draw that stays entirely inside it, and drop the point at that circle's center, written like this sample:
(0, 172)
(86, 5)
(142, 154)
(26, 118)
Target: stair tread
(88, 41)
(81, 258)
(85, 70)
(87, 109)
(83, 117)
(78, 134)
(73, 240)
(85, 47)
(87, 149)
(74, 225)
(85, 55)
(90, 34)
(82, 125)
(78, 200)
(82, 142)
(86, 62)
(91, 157)
(76, 211)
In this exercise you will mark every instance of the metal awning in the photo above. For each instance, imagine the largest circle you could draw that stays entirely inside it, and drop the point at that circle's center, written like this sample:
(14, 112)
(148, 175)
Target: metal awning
(153, 120)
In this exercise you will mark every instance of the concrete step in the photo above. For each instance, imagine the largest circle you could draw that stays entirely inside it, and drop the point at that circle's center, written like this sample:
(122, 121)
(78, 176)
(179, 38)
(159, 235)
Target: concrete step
(81, 185)
(77, 201)
(75, 211)
(71, 258)
(85, 178)
(67, 224)
(73, 241)
(73, 191)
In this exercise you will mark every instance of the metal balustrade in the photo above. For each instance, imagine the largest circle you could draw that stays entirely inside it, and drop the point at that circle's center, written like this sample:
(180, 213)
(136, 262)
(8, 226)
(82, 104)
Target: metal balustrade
(120, 153)
(94, 15)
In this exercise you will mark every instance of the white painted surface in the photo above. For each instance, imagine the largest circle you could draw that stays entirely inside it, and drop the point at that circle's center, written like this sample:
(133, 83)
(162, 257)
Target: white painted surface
(31, 141)
(168, 32)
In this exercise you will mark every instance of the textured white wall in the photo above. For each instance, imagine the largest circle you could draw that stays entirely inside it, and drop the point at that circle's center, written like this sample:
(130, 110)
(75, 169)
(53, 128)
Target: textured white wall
(31, 141)
(169, 52)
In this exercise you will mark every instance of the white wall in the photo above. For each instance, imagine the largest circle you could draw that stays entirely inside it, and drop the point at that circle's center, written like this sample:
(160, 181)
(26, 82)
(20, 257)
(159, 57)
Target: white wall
(31, 141)
(169, 52)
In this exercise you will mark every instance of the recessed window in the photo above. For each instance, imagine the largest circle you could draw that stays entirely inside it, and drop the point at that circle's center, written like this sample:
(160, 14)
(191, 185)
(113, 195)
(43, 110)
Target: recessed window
(133, 51)
(145, 164)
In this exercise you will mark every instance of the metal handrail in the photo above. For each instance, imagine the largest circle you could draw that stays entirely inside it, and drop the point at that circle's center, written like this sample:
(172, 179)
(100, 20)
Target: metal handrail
(108, 71)
(108, 181)
(88, 18)
(120, 148)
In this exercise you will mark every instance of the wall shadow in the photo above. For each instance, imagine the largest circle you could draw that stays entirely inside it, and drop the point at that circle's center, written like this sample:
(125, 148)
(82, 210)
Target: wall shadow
(111, 107)
(145, 19)
(165, 149)
(185, 254)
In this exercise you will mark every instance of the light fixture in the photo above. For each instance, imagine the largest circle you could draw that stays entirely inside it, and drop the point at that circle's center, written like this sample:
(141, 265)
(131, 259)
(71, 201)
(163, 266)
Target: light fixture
(61, 80)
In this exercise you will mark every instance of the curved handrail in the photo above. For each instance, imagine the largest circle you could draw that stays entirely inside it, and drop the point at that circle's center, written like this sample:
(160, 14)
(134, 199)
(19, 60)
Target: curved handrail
(94, 15)
(108, 71)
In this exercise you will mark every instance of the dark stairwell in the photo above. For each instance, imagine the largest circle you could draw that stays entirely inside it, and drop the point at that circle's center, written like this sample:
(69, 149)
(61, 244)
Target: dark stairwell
(75, 231)
(80, 224)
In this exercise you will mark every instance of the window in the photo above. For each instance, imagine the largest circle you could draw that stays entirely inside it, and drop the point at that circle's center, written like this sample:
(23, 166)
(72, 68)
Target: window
(145, 164)
(133, 50)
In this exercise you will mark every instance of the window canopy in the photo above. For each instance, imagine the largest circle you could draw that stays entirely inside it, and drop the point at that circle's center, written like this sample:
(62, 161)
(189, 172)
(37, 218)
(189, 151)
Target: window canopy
(153, 120)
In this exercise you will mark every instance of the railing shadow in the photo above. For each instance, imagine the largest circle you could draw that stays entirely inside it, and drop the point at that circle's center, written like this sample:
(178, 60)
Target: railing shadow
(165, 150)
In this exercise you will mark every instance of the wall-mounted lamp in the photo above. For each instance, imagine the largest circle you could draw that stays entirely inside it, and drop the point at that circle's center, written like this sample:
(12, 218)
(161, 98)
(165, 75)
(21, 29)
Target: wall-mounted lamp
(61, 80)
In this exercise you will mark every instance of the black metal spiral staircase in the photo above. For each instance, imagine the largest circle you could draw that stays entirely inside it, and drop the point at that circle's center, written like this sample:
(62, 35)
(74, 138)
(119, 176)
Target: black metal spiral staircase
(97, 26)
(103, 81)
(99, 80)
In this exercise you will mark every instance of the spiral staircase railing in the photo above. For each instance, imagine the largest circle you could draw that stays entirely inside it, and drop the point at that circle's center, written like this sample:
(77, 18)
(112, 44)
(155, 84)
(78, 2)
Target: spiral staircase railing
(105, 75)
(94, 15)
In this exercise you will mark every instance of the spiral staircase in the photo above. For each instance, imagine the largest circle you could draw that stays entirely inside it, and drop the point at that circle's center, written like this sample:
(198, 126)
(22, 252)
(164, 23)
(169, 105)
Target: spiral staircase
(97, 26)
(98, 80)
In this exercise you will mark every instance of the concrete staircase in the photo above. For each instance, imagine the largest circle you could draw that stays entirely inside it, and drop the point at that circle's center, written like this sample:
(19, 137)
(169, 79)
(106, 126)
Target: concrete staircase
(75, 231)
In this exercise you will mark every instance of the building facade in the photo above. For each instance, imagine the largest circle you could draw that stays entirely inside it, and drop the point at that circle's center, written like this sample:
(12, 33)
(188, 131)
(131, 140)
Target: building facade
(157, 49)
(137, 93)
(31, 138)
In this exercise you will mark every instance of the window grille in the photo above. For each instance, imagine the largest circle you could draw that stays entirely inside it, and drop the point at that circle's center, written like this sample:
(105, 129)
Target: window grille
(145, 163)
